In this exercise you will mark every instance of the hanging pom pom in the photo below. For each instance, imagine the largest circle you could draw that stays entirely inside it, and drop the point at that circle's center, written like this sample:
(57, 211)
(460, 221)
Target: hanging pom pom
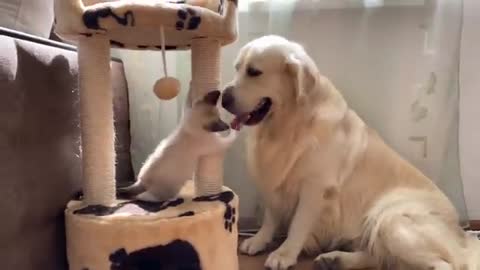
(167, 88)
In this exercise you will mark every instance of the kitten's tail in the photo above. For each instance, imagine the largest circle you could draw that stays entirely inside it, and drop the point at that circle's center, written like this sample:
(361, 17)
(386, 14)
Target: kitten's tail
(131, 191)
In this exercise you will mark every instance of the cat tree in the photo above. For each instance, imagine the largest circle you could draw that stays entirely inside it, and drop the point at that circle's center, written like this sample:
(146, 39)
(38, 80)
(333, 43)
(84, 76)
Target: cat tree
(195, 231)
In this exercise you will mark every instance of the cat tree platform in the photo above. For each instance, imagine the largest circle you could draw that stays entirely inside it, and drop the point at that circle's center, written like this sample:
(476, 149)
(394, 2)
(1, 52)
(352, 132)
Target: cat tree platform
(197, 230)
(185, 233)
(135, 24)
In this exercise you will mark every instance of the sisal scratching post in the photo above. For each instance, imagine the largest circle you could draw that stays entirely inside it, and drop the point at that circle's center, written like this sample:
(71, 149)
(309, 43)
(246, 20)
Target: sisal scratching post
(208, 176)
(205, 66)
(198, 229)
(96, 117)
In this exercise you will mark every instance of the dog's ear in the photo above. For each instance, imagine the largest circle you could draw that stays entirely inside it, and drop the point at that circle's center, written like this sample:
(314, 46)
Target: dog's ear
(211, 98)
(302, 74)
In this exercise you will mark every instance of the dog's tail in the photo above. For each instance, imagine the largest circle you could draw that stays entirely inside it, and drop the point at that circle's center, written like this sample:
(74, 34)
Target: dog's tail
(130, 191)
(417, 228)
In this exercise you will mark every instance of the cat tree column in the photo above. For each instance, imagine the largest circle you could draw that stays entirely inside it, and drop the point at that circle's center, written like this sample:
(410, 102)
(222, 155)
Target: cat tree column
(96, 118)
(208, 176)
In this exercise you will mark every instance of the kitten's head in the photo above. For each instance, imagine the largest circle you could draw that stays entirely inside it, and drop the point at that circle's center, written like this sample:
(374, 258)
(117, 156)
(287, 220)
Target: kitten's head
(204, 114)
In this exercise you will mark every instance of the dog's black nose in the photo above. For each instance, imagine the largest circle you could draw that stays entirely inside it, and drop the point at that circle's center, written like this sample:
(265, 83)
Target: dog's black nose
(227, 98)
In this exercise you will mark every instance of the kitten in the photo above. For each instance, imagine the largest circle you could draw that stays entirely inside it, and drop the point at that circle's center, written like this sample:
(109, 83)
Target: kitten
(174, 160)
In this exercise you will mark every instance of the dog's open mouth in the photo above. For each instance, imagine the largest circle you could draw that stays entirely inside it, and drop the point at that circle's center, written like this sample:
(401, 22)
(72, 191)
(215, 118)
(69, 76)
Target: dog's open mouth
(253, 117)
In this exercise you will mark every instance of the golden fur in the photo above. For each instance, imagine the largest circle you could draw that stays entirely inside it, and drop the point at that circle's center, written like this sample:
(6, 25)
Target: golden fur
(322, 171)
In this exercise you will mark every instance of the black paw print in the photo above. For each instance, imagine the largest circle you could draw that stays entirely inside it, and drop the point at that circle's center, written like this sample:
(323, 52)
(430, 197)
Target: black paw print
(230, 217)
(230, 212)
(188, 19)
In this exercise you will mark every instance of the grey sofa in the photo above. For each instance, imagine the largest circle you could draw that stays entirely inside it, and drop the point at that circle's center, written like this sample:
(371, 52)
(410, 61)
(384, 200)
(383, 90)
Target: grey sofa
(40, 156)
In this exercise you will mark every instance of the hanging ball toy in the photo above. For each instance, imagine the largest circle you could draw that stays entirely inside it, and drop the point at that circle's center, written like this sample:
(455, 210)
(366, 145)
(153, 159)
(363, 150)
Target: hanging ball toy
(167, 87)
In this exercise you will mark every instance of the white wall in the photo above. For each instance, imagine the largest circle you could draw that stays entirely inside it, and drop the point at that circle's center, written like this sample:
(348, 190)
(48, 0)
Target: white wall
(470, 106)
(151, 120)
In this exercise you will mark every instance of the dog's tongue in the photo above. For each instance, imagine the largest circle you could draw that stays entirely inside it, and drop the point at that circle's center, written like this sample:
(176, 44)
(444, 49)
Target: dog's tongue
(238, 121)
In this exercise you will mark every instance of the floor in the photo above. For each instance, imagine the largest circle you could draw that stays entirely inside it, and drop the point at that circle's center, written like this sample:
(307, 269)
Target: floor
(256, 263)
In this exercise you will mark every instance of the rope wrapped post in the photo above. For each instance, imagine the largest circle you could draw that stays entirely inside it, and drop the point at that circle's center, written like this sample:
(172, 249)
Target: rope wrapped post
(96, 118)
(208, 175)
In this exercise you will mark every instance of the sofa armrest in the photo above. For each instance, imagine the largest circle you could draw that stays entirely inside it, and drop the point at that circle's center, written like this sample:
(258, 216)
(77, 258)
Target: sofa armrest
(40, 155)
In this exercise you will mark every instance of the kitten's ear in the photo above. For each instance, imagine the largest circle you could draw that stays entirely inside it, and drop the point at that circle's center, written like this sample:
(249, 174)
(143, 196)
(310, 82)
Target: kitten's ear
(211, 98)
(216, 126)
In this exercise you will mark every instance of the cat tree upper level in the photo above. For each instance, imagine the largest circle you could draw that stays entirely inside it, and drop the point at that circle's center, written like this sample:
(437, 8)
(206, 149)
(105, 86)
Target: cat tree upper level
(135, 24)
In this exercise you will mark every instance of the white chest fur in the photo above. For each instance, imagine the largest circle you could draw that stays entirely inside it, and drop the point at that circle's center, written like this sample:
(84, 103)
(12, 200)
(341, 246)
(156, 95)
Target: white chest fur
(272, 161)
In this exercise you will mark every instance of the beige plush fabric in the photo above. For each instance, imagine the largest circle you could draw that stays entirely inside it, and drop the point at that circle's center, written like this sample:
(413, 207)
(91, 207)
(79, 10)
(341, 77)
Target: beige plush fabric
(185, 233)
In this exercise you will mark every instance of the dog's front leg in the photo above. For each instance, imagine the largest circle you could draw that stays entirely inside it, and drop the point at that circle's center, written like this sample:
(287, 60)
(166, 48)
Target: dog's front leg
(311, 206)
(263, 237)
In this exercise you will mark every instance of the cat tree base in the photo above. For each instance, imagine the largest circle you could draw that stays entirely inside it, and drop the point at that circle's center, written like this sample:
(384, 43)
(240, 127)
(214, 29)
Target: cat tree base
(184, 233)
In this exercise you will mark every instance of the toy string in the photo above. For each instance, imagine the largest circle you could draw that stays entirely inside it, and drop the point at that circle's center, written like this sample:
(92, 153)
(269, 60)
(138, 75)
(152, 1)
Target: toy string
(164, 58)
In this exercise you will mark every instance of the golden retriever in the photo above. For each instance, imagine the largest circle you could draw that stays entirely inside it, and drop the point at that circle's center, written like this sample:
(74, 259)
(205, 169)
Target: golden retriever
(330, 178)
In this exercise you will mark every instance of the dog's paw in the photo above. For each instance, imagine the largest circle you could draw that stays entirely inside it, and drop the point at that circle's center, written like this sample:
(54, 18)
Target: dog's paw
(327, 261)
(280, 260)
(253, 245)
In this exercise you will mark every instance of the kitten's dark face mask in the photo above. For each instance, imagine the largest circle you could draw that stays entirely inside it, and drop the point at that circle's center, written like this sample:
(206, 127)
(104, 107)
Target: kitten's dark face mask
(211, 115)
(217, 126)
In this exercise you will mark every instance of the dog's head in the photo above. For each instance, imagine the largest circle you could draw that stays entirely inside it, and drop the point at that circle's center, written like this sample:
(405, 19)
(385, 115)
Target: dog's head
(272, 74)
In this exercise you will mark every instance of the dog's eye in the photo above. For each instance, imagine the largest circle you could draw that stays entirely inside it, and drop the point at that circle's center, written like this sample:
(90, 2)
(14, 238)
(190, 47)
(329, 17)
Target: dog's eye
(253, 72)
